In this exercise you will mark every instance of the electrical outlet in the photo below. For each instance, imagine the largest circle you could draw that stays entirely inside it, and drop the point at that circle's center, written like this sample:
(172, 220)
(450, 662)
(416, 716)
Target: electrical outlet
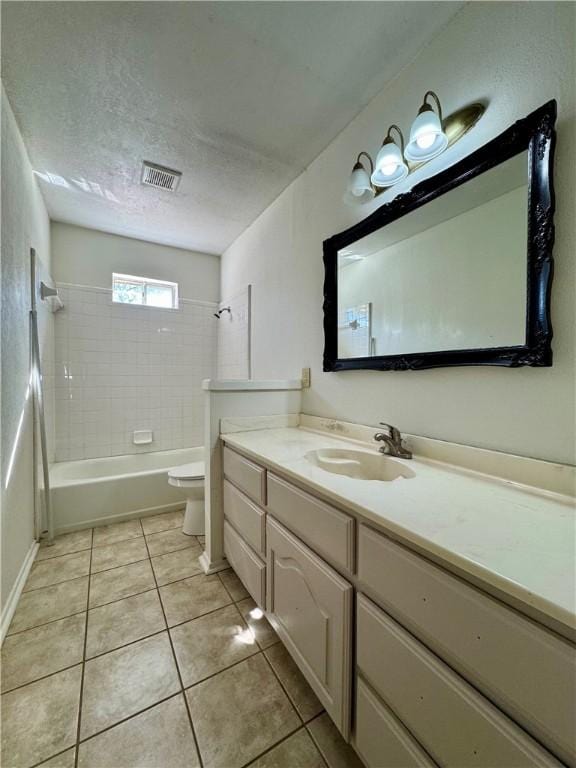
(305, 378)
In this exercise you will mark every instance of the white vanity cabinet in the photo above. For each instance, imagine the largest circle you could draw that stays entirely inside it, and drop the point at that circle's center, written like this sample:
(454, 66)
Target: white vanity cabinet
(455, 725)
(244, 522)
(528, 671)
(310, 607)
(415, 666)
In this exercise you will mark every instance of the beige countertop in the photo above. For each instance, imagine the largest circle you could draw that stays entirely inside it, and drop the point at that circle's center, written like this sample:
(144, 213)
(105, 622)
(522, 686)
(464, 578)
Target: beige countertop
(516, 540)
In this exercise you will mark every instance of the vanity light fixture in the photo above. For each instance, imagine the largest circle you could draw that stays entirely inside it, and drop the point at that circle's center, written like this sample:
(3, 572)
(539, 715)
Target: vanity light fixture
(427, 137)
(360, 189)
(430, 135)
(390, 166)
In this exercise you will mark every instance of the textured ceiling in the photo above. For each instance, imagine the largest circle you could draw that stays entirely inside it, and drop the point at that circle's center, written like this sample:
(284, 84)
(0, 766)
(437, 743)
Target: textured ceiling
(239, 96)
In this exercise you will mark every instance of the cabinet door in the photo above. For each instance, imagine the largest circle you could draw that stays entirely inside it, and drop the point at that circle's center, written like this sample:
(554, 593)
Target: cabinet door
(310, 606)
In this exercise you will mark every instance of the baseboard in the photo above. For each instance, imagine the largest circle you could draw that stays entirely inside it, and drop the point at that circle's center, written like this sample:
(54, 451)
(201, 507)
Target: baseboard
(16, 591)
(212, 567)
(120, 518)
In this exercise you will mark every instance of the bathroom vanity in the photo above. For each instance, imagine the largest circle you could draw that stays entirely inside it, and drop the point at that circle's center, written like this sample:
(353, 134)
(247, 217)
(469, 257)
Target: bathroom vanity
(423, 605)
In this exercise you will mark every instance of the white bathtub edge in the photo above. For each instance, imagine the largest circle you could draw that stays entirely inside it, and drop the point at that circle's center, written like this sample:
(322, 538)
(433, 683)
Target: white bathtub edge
(108, 519)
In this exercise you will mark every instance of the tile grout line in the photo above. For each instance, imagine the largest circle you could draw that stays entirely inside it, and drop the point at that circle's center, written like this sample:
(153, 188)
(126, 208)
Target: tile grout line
(112, 568)
(82, 662)
(224, 669)
(175, 658)
(43, 677)
(303, 723)
(79, 725)
(45, 623)
(281, 741)
(118, 647)
(284, 688)
(260, 649)
(273, 746)
(200, 615)
(315, 742)
(129, 717)
(290, 699)
(62, 554)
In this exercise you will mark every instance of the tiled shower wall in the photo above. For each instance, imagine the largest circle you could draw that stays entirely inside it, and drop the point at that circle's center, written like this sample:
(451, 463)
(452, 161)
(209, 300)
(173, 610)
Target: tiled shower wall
(234, 337)
(121, 368)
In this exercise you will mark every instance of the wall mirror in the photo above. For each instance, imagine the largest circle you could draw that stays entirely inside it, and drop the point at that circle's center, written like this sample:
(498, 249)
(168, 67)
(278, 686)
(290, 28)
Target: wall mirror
(455, 272)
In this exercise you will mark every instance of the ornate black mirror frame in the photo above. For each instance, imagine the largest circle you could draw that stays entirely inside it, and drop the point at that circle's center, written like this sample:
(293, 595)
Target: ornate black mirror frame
(534, 133)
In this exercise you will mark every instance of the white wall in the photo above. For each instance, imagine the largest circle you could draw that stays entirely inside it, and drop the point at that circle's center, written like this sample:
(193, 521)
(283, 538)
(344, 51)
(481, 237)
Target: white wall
(88, 257)
(24, 225)
(516, 56)
(233, 359)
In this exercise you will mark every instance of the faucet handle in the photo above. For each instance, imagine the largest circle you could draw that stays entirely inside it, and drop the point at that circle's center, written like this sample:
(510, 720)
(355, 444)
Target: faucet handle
(394, 431)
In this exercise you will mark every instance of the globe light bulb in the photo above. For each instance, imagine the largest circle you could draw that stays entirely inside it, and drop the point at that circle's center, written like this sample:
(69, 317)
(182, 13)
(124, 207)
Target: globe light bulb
(425, 140)
(388, 169)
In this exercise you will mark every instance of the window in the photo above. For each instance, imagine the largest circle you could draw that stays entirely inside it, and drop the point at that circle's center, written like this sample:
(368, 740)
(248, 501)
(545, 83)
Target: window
(128, 289)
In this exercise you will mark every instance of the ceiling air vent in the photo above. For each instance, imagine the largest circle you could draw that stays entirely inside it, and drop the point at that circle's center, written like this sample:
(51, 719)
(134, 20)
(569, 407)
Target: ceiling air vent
(160, 177)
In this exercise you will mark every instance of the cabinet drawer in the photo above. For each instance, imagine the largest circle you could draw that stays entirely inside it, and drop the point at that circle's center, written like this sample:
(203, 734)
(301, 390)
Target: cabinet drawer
(328, 530)
(526, 670)
(249, 568)
(310, 607)
(454, 724)
(246, 517)
(380, 738)
(247, 476)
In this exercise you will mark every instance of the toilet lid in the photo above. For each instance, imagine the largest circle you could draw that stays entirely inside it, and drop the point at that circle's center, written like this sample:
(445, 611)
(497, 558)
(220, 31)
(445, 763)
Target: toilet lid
(194, 471)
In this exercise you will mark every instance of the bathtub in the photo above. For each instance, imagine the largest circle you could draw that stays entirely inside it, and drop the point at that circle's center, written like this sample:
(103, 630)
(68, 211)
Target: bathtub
(101, 491)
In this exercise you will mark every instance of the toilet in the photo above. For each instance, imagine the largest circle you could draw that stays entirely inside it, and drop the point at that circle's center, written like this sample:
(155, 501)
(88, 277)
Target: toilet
(190, 479)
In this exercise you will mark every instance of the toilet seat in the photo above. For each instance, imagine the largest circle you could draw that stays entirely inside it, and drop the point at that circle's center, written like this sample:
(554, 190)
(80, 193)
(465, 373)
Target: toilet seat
(193, 471)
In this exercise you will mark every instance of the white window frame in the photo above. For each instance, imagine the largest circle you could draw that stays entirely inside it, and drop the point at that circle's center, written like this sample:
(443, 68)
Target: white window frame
(145, 282)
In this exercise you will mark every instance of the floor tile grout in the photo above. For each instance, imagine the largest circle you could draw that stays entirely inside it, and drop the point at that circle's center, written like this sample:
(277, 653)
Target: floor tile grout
(42, 677)
(175, 658)
(62, 554)
(200, 615)
(130, 717)
(125, 597)
(79, 724)
(45, 623)
(127, 645)
(112, 568)
(223, 669)
(273, 746)
(315, 742)
(257, 650)
(281, 741)
(284, 688)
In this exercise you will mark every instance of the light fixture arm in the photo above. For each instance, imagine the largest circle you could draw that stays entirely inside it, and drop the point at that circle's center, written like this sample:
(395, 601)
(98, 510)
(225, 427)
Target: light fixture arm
(400, 134)
(359, 164)
(432, 95)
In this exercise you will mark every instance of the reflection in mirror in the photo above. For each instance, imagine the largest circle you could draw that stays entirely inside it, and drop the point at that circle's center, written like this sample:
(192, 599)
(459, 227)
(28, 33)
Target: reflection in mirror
(450, 275)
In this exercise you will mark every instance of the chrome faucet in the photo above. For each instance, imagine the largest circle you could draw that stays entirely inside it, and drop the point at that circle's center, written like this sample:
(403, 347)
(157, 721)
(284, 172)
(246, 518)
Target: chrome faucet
(392, 442)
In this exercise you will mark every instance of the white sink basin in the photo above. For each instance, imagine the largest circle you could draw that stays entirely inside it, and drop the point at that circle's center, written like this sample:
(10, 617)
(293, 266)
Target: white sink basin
(359, 465)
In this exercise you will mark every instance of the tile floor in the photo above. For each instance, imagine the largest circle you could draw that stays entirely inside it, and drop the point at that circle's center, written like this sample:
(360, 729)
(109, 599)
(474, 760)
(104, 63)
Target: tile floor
(123, 654)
